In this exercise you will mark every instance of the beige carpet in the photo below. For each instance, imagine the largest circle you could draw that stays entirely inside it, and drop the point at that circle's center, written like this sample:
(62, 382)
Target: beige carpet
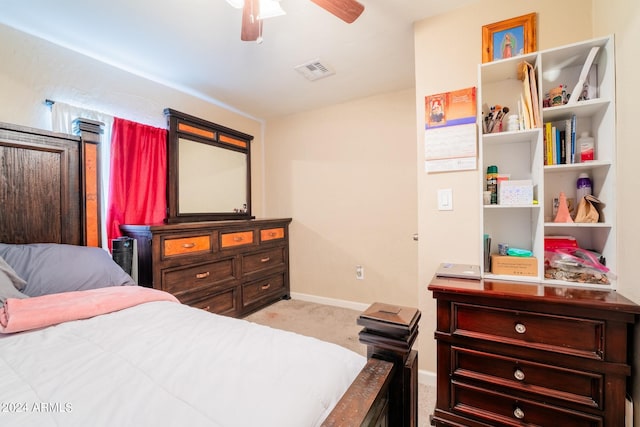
(332, 324)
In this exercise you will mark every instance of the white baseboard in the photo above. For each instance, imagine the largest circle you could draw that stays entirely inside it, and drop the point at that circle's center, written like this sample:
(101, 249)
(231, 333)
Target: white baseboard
(427, 378)
(359, 306)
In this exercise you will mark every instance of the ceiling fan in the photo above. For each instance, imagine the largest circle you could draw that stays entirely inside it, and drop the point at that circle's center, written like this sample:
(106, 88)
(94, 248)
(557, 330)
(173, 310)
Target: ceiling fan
(347, 10)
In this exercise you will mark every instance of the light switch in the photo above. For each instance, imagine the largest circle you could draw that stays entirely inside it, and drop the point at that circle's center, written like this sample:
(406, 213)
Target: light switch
(445, 199)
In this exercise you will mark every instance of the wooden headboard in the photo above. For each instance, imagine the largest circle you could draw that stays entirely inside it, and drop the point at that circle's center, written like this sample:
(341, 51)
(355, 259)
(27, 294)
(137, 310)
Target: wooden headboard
(44, 178)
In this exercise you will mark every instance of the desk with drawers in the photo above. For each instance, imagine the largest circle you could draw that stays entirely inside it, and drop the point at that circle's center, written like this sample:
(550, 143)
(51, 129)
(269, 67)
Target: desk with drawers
(519, 354)
(226, 267)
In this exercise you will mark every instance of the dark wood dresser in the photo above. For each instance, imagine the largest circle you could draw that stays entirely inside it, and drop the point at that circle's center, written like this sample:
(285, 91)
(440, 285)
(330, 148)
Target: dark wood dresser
(225, 267)
(519, 354)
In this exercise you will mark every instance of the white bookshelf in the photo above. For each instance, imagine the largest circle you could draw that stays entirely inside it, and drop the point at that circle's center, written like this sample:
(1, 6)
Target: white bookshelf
(520, 154)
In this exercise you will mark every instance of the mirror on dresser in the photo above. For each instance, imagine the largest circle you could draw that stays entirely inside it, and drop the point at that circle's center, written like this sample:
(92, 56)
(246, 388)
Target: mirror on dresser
(209, 170)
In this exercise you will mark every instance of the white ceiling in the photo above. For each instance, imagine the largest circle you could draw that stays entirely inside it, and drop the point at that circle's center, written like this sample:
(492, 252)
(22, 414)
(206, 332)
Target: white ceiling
(195, 46)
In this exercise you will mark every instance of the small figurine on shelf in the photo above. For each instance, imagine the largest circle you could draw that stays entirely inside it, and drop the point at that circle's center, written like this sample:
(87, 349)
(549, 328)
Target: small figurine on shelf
(563, 214)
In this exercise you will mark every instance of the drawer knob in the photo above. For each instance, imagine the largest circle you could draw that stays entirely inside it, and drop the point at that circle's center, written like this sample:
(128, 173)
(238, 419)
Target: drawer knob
(238, 239)
(519, 375)
(202, 275)
(189, 245)
(265, 287)
(520, 328)
(273, 234)
(265, 259)
(518, 413)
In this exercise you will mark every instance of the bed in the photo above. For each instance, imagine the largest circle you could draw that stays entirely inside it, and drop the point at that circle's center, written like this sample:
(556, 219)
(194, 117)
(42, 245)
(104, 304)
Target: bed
(81, 344)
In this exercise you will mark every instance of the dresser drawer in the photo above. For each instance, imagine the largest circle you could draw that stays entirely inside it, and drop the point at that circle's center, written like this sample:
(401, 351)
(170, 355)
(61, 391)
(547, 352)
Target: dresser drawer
(222, 302)
(255, 291)
(569, 385)
(193, 277)
(503, 410)
(263, 260)
(272, 234)
(567, 335)
(238, 238)
(186, 245)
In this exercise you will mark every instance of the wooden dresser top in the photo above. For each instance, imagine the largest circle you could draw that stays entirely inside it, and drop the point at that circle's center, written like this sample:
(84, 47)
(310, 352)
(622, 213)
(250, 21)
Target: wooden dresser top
(525, 291)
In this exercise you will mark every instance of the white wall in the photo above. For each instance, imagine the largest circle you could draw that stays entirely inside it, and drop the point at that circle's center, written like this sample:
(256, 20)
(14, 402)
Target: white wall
(345, 175)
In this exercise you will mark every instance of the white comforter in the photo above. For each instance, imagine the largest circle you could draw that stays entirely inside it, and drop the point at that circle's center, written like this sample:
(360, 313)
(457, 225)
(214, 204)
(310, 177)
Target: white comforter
(166, 364)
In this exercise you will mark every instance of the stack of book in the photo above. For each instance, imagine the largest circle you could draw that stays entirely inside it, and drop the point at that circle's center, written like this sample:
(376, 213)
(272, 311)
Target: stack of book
(560, 144)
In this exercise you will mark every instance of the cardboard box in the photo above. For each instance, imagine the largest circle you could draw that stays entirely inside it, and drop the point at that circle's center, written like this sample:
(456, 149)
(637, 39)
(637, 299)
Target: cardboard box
(514, 265)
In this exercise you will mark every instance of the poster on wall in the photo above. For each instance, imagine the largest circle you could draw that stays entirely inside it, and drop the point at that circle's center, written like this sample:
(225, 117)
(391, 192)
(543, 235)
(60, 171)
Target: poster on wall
(450, 141)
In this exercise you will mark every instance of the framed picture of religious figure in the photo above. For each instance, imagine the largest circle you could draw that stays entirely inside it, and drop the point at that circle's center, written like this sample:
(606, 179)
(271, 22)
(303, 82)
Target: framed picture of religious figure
(509, 38)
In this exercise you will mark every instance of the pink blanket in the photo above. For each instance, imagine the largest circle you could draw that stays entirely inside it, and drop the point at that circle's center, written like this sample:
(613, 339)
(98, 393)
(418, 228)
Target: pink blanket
(31, 313)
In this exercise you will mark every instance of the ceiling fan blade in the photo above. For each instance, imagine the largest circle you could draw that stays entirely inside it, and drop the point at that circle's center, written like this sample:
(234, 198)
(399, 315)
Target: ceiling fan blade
(251, 26)
(347, 10)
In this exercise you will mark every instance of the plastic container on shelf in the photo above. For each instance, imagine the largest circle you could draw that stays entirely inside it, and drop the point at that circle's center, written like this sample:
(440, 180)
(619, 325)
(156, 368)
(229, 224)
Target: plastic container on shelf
(513, 123)
(586, 146)
(583, 187)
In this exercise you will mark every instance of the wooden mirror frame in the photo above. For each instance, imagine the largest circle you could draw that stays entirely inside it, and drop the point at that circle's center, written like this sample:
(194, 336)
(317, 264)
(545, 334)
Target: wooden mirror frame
(184, 126)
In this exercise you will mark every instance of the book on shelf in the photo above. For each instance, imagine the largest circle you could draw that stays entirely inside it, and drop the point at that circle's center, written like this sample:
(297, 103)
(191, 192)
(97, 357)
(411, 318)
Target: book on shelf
(559, 144)
(573, 138)
(562, 146)
(550, 146)
(554, 144)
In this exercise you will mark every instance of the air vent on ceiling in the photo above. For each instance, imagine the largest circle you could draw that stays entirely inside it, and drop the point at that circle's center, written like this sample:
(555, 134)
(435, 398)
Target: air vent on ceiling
(314, 70)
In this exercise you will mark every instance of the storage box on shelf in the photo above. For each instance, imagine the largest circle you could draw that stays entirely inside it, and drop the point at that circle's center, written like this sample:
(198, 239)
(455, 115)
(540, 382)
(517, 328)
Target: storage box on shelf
(522, 154)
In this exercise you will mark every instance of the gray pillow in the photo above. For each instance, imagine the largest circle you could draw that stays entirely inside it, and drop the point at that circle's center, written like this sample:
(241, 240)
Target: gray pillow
(11, 275)
(7, 287)
(50, 268)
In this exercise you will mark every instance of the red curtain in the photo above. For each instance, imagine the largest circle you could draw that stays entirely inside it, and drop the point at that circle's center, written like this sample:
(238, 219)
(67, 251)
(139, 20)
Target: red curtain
(137, 188)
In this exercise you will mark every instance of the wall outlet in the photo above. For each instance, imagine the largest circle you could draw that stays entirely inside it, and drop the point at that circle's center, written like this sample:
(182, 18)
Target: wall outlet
(359, 272)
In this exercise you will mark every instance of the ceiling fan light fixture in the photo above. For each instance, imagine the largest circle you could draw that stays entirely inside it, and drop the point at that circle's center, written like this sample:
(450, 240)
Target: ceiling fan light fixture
(236, 3)
(268, 8)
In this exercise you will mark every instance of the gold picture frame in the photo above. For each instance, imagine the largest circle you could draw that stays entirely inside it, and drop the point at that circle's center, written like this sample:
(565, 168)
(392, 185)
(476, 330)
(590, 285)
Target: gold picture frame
(508, 38)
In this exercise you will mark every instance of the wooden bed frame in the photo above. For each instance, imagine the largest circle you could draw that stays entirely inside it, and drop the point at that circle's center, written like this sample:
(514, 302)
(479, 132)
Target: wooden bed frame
(49, 193)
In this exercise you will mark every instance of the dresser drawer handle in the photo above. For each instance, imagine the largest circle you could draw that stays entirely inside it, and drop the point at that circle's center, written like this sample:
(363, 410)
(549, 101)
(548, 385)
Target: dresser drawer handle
(519, 375)
(265, 259)
(265, 287)
(238, 239)
(189, 245)
(202, 275)
(520, 328)
(273, 234)
(207, 308)
(518, 413)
